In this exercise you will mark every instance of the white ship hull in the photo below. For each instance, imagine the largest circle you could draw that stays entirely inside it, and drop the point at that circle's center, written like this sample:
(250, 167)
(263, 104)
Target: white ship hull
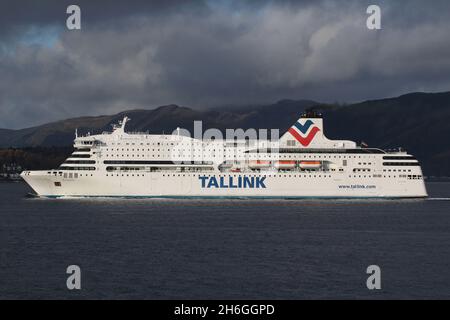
(191, 185)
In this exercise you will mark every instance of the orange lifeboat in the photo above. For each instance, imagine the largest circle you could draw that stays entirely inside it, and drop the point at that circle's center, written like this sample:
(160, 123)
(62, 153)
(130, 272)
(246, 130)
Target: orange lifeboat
(310, 164)
(285, 164)
(259, 164)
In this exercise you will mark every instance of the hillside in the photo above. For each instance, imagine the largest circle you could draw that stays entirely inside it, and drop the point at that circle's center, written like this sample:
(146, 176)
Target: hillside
(162, 119)
(418, 122)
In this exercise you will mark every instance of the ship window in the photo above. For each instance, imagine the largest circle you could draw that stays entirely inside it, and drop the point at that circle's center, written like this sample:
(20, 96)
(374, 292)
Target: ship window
(80, 156)
(57, 184)
(399, 158)
(291, 143)
(401, 164)
(80, 161)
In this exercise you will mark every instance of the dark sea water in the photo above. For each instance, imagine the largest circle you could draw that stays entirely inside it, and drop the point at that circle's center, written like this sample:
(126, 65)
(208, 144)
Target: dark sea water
(217, 249)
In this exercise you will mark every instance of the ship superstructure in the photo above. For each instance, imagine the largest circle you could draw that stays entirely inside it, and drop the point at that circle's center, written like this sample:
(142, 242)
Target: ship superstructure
(303, 163)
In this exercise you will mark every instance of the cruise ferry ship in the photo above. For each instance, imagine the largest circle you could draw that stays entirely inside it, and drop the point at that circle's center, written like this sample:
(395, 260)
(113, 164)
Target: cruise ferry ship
(302, 163)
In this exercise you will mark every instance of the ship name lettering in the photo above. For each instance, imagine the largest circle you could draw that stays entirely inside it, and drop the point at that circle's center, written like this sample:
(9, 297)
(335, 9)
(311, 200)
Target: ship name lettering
(241, 182)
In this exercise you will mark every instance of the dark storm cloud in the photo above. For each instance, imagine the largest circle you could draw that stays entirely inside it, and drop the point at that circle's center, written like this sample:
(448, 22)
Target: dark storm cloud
(137, 54)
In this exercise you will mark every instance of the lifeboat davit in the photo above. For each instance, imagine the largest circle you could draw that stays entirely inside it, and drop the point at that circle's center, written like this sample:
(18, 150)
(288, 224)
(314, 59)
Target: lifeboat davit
(259, 164)
(285, 164)
(310, 164)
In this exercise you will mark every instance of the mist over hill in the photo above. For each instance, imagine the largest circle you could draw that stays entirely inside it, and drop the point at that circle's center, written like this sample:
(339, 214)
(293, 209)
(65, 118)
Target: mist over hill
(418, 122)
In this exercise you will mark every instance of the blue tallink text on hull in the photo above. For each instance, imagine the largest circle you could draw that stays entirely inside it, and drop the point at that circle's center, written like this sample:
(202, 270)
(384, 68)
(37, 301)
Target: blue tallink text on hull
(241, 182)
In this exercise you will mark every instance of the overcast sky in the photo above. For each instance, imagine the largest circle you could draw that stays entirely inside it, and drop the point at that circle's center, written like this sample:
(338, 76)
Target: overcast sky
(207, 54)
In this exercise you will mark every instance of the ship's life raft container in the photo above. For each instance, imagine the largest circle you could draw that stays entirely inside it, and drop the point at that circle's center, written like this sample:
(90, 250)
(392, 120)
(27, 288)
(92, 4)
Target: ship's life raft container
(285, 164)
(259, 164)
(310, 164)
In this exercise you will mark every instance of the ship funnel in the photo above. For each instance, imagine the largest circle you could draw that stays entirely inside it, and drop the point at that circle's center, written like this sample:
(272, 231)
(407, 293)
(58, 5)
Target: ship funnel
(308, 132)
(305, 132)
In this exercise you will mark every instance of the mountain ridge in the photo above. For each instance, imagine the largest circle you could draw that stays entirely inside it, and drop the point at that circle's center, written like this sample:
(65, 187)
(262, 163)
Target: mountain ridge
(416, 121)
